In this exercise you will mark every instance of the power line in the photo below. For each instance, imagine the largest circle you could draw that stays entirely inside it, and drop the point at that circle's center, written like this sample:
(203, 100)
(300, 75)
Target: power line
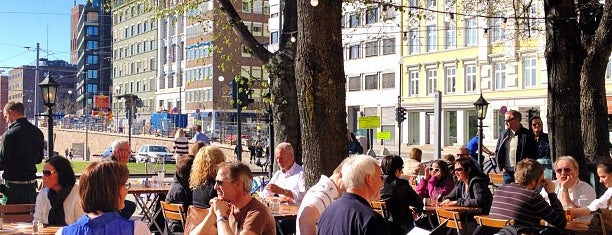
(33, 13)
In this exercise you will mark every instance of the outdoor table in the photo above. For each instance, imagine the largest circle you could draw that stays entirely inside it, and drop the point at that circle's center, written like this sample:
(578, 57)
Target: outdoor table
(25, 228)
(572, 227)
(286, 211)
(462, 209)
(148, 206)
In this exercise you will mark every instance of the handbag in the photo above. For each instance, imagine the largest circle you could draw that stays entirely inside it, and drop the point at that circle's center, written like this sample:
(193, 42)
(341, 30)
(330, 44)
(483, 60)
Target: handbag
(601, 221)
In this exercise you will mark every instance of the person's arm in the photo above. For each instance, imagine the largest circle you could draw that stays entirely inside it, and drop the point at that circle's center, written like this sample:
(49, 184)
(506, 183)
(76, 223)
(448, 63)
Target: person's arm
(307, 221)
(453, 193)
(39, 207)
(141, 228)
(553, 213)
(414, 200)
(482, 195)
(423, 186)
(208, 224)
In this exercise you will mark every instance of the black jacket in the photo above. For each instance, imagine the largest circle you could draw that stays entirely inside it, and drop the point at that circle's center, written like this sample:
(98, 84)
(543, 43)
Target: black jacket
(22, 149)
(399, 196)
(480, 195)
(526, 148)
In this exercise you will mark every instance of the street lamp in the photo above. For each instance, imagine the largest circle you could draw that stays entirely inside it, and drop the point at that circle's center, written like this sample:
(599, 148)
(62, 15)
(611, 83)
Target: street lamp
(481, 111)
(48, 89)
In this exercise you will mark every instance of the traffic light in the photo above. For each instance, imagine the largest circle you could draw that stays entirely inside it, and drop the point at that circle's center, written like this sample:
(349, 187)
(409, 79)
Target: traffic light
(400, 114)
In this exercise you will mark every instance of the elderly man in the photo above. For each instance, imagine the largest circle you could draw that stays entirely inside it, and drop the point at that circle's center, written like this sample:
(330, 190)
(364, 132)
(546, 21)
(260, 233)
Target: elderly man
(121, 154)
(572, 192)
(522, 202)
(317, 199)
(515, 143)
(288, 182)
(234, 211)
(352, 213)
(22, 149)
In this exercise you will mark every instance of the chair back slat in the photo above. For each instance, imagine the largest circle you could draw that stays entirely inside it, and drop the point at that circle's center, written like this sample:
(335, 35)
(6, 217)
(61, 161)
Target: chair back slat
(17, 212)
(173, 212)
(484, 220)
(380, 207)
(195, 215)
(451, 217)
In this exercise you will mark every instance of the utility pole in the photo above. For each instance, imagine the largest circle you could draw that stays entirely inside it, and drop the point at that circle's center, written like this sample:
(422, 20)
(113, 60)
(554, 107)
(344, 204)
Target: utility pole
(36, 86)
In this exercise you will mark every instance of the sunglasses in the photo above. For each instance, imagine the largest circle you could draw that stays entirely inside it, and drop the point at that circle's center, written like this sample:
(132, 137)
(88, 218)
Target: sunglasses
(536, 124)
(221, 182)
(509, 120)
(128, 185)
(48, 173)
(434, 169)
(561, 170)
(458, 169)
(463, 154)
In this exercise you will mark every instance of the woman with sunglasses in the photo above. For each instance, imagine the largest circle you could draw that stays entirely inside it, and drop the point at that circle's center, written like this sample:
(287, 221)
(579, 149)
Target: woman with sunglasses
(399, 195)
(604, 171)
(58, 202)
(103, 187)
(438, 181)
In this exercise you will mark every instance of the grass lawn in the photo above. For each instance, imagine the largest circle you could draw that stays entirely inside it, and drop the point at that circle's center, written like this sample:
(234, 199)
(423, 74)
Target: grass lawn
(135, 168)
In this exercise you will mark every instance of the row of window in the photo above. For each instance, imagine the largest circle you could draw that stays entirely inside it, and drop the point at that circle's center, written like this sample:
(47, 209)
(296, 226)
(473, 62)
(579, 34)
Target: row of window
(372, 48)
(134, 30)
(202, 94)
(134, 49)
(199, 51)
(372, 15)
(256, 7)
(202, 73)
(134, 67)
(371, 82)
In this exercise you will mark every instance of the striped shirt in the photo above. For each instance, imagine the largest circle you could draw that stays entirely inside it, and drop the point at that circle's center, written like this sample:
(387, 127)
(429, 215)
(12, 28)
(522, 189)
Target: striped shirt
(526, 207)
(181, 145)
(319, 196)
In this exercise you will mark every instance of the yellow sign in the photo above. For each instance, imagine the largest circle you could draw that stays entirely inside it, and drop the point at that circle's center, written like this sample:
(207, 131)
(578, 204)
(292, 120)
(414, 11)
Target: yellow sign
(383, 135)
(369, 122)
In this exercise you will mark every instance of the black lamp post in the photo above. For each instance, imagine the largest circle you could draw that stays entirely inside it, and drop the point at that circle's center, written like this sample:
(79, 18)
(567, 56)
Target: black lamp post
(481, 111)
(270, 121)
(48, 89)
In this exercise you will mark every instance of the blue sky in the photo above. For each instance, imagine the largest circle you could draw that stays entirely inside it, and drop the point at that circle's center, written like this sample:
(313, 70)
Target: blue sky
(23, 23)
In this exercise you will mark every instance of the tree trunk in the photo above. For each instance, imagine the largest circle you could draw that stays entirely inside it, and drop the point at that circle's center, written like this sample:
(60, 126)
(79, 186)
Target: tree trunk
(564, 57)
(321, 88)
(593, 108)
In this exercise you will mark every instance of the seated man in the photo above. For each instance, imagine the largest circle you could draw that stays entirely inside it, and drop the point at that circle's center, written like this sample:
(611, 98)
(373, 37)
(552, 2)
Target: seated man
(317, 199)
(288, 182)
(121, 154)
(522, 202)
(352, 213)
(572, 192)
(235, 211)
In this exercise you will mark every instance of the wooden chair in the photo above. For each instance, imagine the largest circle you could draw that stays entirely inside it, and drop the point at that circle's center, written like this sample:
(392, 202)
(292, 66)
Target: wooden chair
(484, 220)
(451, 218)
(495, 181)
(195, 215)
(380, 207)
(173, 212)
(17, 212)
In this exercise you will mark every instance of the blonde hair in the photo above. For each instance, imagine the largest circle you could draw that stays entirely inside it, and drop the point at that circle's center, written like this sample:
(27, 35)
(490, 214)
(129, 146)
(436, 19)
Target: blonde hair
(416, 154)
(205, 165)
(179, 133)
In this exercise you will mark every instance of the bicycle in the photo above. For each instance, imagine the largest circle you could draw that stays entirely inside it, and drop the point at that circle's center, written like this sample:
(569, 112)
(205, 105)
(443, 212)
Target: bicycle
(490, 166)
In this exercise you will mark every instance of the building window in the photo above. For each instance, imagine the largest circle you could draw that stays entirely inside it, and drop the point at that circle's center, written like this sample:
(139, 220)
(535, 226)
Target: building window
(247, 6)
(388, 81)
(354, 52)
(414, 82)
(92, 59)
(372, 15)
(470, 78)
(274, 37)
(451, 36)
(371, 82)
(414, 41)
(92, 74)
(530, 72)
(470, 34)
(354, 21)
(497, 32)
(92, 30)
(92, 45)
(371, 49)
(432, 38)
(431, 3)
(388, 46)
(354, 83)
(450, 79)
(432, 81)
(92, 88)
(500, 75)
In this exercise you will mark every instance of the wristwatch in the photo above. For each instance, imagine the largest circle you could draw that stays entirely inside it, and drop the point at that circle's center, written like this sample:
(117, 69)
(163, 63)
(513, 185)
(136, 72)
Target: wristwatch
(222, 218)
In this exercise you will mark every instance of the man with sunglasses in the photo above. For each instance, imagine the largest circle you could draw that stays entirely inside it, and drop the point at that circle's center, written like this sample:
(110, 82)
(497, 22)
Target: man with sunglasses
(571, 191)
(541, 138)
(22, 149)
(515, 143)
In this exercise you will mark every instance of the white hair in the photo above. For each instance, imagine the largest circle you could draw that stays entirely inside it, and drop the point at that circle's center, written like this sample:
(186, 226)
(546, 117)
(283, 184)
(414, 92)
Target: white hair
(117, 143)
(354, 171)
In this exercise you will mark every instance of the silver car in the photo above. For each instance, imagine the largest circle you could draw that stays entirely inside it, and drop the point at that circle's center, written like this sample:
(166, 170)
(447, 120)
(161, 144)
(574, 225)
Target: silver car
(154, 153)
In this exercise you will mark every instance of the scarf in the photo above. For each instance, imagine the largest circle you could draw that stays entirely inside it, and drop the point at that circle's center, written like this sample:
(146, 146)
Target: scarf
(56, 213)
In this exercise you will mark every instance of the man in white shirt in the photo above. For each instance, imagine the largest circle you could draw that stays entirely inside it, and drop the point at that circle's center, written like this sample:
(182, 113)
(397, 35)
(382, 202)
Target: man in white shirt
(317, 199)
(288, 182)
(571, 191)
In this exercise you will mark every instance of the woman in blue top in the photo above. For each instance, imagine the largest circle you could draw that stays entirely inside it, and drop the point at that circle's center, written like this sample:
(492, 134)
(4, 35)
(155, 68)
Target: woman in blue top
(103, 187)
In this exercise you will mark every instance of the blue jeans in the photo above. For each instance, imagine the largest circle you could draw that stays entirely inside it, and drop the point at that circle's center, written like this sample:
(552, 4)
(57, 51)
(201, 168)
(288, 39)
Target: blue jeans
(508, 177)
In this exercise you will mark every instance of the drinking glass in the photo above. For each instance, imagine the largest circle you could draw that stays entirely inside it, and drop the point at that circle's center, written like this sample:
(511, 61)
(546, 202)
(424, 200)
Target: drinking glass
(275, 205)
(160, 178)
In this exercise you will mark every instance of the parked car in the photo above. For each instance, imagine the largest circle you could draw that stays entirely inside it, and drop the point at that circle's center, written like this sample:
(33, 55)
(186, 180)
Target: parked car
(154, 153)
(108, 152)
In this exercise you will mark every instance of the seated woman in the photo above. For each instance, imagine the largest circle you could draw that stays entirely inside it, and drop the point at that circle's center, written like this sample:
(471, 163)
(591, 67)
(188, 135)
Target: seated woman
(471, 190)
(399, 195)
(438, 181)
(179, 189)
(604, 171)
(103, 187)
(413, 164)
(58, 202)
(203, 173)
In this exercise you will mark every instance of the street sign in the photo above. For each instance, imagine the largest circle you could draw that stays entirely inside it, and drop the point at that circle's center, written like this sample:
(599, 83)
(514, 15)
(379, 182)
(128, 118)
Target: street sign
(383, 135)
(369, 122)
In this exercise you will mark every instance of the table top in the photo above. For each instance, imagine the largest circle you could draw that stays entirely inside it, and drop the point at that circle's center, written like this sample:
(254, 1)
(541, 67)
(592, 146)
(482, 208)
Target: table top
(286, 211)
(140, 189)
(25, 228)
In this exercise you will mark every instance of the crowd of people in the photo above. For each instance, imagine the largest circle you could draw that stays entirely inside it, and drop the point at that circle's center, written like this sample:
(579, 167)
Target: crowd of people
(338, 204)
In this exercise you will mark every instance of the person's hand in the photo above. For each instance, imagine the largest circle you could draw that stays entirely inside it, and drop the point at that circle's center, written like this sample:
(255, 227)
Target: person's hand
(427, 173)
(275, 189)
(563, 181)
(549, 186)
(220, 207)
(446, 202)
